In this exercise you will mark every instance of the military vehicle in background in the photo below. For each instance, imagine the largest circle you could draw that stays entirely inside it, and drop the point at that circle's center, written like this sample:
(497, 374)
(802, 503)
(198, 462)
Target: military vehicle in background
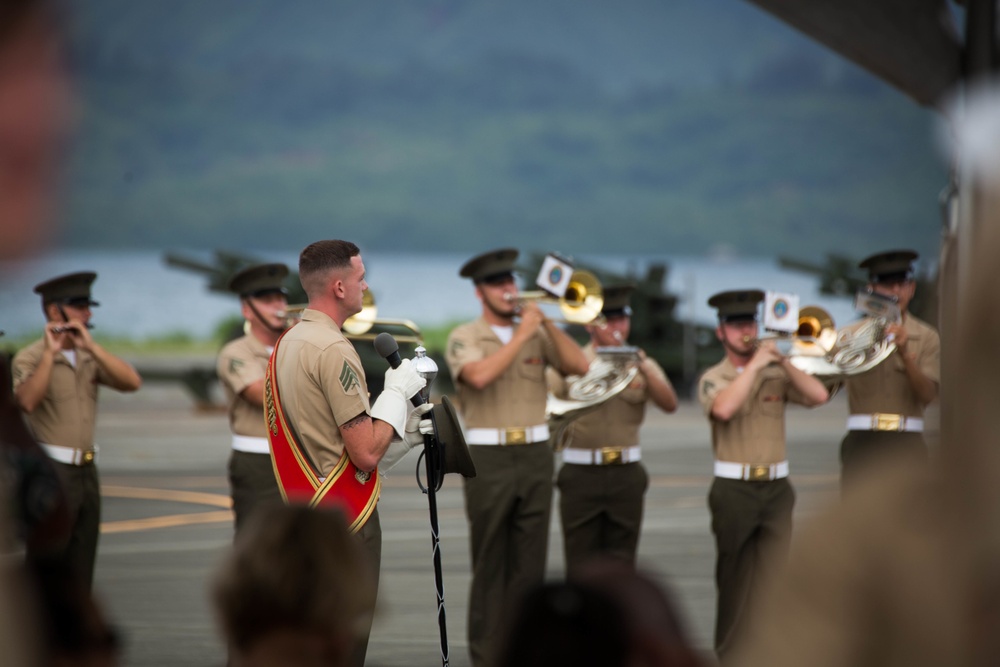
(840, 276)
(224, 265)
(683, 348)
(200, 380)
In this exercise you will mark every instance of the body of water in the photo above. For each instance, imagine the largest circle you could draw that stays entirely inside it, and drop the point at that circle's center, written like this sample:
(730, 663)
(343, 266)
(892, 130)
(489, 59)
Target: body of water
(142, 296)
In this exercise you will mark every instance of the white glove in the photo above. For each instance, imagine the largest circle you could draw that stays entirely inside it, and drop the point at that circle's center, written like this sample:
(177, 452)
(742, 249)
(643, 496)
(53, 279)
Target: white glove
(416, 427)
(404, 379)
(393, 403)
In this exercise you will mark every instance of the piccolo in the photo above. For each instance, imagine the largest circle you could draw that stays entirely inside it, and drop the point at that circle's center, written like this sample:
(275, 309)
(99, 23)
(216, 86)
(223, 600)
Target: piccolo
(65, 329)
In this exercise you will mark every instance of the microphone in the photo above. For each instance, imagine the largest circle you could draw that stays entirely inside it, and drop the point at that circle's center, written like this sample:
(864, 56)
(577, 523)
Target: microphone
(387, 347)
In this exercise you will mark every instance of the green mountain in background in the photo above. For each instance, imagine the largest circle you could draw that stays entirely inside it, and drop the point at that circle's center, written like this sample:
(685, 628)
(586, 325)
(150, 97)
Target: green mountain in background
(637, 126)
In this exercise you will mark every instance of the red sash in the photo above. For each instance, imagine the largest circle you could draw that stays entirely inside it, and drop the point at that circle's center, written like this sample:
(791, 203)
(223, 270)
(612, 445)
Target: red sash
(353, 491)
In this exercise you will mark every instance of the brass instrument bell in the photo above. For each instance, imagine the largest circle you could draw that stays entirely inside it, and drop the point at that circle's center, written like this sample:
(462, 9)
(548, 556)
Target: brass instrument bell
(581, 303)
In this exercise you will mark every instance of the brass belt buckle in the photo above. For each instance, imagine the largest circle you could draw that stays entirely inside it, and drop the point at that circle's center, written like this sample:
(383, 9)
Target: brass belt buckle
(611, 455)
(515, 436)
(759, 473)
(886, 422)
(88, 457)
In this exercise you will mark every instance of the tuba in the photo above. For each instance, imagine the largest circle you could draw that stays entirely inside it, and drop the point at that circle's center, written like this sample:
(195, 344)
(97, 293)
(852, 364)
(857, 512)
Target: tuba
(609, 373)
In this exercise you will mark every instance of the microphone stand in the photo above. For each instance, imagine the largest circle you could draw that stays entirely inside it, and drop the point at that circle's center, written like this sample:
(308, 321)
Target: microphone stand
(435, 477)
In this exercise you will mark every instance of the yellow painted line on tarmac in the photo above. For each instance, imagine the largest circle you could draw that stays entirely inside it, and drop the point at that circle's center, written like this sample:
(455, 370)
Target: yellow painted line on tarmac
(139, 493)
(170, 520)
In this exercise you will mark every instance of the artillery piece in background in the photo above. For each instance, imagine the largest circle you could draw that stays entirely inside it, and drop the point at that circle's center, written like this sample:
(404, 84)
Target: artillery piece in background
(199, 380)
(839, 275)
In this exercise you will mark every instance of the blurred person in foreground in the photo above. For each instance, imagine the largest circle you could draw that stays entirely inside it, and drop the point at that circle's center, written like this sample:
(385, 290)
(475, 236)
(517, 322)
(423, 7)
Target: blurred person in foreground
(607, 613)
(75, 630)
(886, 404)
(327, 439)
(34, 125)
(56, 382)
(602, 482)
(498, 365)
(241, 367)
(751, 500)
(34, 122)
(29, 483)
(905, 571)
(296, 590)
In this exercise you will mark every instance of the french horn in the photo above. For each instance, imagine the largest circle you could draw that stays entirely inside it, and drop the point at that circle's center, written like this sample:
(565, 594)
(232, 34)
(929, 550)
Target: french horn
(854, 349)
(609, 373)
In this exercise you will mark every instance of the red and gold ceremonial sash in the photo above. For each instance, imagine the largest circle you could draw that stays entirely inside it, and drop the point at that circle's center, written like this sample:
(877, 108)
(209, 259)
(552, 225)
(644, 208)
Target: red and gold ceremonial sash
(353, 491)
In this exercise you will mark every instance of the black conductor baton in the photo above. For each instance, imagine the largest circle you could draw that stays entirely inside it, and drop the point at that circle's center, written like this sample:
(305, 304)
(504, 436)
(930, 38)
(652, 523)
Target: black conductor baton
(387, 347)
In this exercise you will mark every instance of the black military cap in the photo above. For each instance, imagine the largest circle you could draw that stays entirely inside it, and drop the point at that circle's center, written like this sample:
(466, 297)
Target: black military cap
(449, 433)
(617, 300)
(889, 266)
(737, 305)
(259, 279)
(493, 264)
(72, 288)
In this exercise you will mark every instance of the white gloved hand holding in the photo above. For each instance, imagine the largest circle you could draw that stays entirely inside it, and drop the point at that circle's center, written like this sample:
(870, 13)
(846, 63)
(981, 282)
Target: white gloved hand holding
(404, 379)
(416, 427)
(392, 405)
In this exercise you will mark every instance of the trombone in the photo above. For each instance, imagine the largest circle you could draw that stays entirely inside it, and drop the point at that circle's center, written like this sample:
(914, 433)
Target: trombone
(359, 326)
(581, 304)
(815, 336)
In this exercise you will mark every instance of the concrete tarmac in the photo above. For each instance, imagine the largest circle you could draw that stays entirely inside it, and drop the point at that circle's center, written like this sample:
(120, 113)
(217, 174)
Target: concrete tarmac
(166, 523)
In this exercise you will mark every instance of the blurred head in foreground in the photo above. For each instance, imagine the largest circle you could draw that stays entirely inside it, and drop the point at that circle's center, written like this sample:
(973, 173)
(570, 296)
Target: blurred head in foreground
(607, 614)
(294, 590)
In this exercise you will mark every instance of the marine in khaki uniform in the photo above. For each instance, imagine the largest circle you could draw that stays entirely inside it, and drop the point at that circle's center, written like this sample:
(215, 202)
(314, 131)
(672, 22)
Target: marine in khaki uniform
(886, 404)
(602, 481)
(55, 384)
(751, 499)
(324, 391)
(241, 366)
(498, 365)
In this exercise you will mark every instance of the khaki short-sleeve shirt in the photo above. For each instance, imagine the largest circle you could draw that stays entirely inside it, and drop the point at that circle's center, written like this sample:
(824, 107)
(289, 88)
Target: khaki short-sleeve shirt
(756, 434)
(67, 413)
(321, 385)
(886, 388)
(241, 363)
(517, 397)
(617, 421)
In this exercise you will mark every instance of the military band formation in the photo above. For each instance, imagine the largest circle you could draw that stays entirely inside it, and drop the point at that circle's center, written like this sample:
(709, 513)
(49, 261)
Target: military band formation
(305, 430)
